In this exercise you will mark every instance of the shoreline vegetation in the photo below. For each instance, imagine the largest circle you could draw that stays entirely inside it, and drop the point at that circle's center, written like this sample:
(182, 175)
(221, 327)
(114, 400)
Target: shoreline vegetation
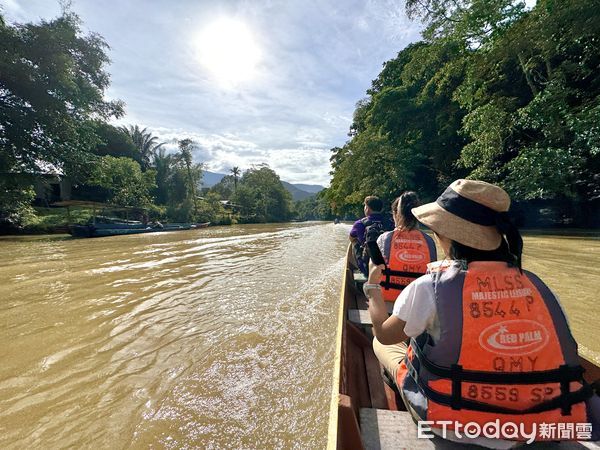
(493, 91)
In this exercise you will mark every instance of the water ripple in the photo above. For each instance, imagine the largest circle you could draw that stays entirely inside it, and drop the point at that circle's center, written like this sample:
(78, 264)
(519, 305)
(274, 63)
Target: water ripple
(170, 339)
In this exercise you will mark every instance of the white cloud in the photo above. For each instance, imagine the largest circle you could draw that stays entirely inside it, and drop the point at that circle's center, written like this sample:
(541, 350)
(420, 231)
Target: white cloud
(220, 153)
(318, 58)
(12, 8)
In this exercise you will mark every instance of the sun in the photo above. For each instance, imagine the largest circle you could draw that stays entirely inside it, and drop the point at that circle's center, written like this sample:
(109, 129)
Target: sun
(228, 49)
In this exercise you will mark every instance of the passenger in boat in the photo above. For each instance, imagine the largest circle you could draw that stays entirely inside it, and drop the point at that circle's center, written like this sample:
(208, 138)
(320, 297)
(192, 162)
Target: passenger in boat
(369, 227)
(488, 340)
(407, 251)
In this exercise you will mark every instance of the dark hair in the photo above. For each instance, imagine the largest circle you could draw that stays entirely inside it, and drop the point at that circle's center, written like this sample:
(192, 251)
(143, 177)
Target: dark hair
(374, 203)
(510, 249)
(407, 201)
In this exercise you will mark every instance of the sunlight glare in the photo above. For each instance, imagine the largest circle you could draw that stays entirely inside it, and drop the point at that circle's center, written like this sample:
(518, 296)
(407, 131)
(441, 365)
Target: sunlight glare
(227, 48)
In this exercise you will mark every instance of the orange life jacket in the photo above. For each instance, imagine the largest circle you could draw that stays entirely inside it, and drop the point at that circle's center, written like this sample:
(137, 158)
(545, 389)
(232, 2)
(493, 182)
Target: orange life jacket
(505, 352)
(407, 254)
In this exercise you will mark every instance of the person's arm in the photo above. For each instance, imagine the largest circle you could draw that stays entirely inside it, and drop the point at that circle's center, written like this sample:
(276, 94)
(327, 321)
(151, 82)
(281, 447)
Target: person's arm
(357, 230)
(388, 329)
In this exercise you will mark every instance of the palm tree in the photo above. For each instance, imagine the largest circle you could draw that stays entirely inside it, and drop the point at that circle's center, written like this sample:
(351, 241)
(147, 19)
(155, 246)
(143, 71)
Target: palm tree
(144, 142)
(235, 170)
(185, 156)
(163, 163)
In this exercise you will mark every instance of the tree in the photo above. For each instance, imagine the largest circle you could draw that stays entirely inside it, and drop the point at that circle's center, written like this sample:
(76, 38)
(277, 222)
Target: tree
(235, 171)
(15, 203)
(193, 171)
(123, 177)
(114, 142)
(532, 100)
(474, 22)
(145, 143)
(225, 188)
(494, 92)
(163, 165)
(51, 85)
(262, 195)
(405, 134)
(315, 207)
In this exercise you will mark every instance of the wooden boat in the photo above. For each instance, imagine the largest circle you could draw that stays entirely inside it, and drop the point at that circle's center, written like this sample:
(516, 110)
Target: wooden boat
(100, 230)
(365, 413)
(120, 229)
(201, 225)
(173, 227)
(101, 225)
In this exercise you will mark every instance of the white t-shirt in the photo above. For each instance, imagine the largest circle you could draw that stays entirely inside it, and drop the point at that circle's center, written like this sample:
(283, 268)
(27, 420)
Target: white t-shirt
(416, 306)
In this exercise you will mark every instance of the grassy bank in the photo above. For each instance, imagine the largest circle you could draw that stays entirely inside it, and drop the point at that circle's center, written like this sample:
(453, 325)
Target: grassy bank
(54, 220)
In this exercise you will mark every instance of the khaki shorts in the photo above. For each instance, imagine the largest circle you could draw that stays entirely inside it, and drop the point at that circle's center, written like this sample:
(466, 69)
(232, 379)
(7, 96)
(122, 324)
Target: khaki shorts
(390, 356)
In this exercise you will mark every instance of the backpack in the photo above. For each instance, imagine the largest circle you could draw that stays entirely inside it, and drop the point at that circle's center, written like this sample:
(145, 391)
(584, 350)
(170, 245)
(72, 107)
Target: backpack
(373, 229)
(372, 232)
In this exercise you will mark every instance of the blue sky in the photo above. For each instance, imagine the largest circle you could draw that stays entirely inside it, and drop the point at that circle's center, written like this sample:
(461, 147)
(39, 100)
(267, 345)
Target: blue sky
(305, 65)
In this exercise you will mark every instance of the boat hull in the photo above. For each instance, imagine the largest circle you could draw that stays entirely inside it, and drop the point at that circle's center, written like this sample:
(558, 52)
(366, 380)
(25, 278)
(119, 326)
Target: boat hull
(102, 230)
(357, 379)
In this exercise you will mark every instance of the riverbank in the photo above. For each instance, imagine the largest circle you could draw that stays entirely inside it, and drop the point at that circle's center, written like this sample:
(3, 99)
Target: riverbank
(56, 220)
(52, 221)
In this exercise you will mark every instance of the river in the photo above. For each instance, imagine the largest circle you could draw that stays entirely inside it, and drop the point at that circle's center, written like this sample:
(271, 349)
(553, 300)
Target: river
(213, 338)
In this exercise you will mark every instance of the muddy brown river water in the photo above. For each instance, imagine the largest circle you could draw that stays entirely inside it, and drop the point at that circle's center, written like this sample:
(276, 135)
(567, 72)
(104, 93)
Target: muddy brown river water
(214, 338)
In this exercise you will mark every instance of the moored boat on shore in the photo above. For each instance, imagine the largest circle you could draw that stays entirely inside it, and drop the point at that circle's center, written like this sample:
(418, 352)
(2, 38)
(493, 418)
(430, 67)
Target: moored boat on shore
(201, 225)
(104, 230)
(102, 226)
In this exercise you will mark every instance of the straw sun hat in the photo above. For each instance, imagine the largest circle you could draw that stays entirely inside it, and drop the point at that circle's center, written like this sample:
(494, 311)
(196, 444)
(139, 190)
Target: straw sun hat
(466, 213)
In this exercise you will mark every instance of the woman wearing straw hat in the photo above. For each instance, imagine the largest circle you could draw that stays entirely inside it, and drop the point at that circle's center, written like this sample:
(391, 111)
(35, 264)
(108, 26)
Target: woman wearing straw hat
(489, 342)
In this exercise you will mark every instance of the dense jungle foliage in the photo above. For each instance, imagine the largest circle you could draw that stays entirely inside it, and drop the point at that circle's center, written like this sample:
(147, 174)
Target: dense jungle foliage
(494, 92)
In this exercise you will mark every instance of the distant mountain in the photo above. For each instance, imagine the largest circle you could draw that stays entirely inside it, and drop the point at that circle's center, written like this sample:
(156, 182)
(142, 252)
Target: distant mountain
(297, 194)
(298, 191)
(313, 188)
(209, 179)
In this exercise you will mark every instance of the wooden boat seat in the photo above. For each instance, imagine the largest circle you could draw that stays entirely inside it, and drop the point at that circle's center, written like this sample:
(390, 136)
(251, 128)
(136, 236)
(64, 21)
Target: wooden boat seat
(362, 317)
(359, 317)
(382, 429)
(359, 277)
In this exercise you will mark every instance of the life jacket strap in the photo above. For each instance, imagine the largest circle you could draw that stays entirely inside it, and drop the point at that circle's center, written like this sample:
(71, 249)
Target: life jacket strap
(387, 284)
(456, 375)
(565, 387)
(562, 374)
(564, 401)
